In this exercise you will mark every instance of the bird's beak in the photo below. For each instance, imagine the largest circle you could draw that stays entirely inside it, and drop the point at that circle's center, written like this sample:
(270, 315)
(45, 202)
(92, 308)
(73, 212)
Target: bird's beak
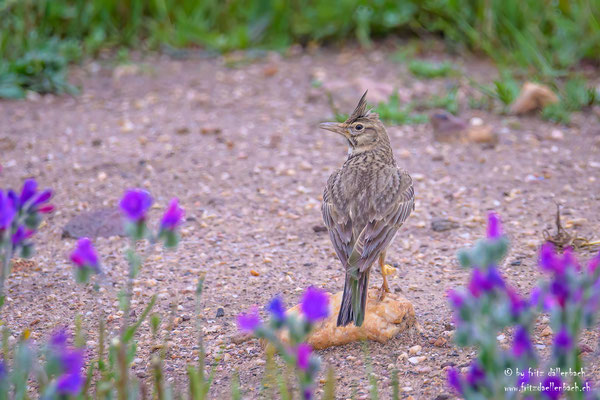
(334, 127)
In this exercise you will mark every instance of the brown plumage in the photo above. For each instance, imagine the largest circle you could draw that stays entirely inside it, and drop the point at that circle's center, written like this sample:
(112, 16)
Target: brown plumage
(364, 204)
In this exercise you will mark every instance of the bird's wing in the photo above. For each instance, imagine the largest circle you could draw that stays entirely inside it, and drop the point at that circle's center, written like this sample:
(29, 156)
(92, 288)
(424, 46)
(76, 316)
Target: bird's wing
(337, 222)
(392, 207)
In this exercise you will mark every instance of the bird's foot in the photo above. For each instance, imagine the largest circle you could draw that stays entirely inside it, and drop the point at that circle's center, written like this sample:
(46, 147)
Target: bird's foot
(383, 290)
(388, 270)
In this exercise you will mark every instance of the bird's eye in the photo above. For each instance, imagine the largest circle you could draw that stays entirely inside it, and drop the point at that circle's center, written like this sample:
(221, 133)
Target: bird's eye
(358, 127)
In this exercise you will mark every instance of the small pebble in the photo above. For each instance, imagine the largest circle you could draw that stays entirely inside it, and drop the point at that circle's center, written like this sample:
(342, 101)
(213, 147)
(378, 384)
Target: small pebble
(414, 350)
(416, 360)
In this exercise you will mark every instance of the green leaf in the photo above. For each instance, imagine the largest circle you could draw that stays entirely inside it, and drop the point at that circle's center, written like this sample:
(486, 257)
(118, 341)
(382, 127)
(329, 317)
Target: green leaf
(133, 329)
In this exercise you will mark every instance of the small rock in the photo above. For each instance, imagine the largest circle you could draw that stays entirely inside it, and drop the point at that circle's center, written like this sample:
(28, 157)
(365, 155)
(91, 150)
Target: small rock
(547, 331)
(443, 224)
(403, 356)
(482, 134)
(557, 134)
(254, 273)
(584, 348)
(319, 228)
(424, 369)
(270, 70)
(476, 121)
(414, 350)
(533, 96)
(416, 360)
(126, 125)
(447, 127)
(440, 342)
(105, 222)
(220, 312)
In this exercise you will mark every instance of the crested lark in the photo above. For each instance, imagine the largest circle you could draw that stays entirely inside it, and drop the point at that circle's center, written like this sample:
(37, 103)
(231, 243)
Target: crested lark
(364, 204)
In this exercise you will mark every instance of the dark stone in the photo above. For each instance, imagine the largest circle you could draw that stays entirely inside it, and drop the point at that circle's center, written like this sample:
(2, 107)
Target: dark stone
(104, 222)
(7, 144)
(442, 397)
(220, 312)
(185, 317)
(516, 263)
(443, 224)
(319, 228)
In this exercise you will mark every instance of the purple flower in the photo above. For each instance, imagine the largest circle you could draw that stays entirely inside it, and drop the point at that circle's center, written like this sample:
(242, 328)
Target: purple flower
(481, 282)
(277, 309)
(476, 374)
(248, 322)
(560, 290)
(59, 338)
(569, 260)
(552, 387)
(594, 263)
(7, 210)
(28, 191)
(315, 304)
(495, 278)
(3, 371)
(456, 299)
(307, 394)
(454, 382)
(30, 194)
(517, 304)
(534, 297)
(85, 255)
(43, 197)
(48, 208)
(548, 259)
(494, 227)
(20, 235)
(522, 342)
(563, 340)
(173, 216)
(135, 203)
(303, 351)
(70, 360)
(69, 384)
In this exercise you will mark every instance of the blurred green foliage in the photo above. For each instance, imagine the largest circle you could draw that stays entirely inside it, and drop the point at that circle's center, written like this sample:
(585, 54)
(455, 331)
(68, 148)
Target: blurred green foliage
(428, 70)
(448, 102)
(394, 112)
(544, 37)
(574, 96)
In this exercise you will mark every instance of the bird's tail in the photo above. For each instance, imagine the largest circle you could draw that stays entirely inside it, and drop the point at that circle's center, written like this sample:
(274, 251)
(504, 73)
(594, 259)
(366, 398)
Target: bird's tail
(354, 299)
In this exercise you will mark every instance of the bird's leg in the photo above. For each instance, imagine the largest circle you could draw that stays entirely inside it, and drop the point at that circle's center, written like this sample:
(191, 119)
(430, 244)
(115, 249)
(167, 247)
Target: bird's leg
(385, 271)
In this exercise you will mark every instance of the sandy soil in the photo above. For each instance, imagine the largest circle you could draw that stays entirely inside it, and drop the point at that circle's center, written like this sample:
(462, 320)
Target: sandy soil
(240, 148)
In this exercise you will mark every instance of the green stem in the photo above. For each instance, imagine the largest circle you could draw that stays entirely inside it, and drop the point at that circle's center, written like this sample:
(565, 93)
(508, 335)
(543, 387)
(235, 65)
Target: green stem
(6, 256)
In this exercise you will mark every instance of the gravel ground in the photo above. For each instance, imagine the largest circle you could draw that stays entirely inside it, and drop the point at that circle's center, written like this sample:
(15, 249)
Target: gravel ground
(240, 148)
